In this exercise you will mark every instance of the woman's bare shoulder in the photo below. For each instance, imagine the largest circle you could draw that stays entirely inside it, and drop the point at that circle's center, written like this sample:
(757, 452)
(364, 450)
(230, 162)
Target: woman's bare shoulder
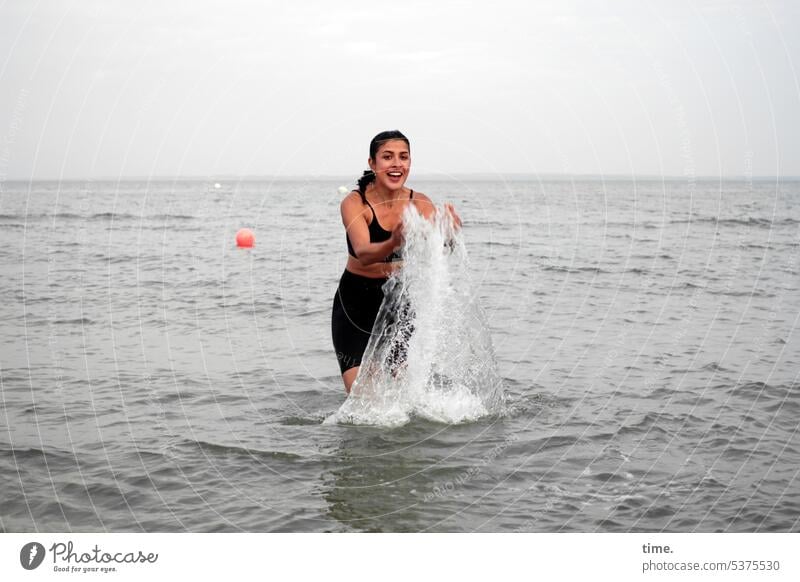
(351, 200)
(423, 203)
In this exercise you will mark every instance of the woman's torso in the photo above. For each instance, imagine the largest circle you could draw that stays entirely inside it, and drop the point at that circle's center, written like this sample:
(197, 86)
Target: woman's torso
(380, 224)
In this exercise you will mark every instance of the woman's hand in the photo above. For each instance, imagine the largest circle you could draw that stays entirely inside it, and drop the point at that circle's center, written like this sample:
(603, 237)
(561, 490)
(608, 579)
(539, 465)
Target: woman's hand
(450, 209)
(398, 235)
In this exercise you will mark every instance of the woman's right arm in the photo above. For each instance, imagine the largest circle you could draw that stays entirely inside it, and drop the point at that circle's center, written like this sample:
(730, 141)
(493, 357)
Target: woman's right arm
(357, 230)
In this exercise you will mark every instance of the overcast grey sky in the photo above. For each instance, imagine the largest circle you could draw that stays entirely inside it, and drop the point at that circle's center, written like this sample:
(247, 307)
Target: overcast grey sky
(106, 89)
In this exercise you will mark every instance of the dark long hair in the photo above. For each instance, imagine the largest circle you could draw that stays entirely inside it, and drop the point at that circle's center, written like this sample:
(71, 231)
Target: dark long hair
(374, 145)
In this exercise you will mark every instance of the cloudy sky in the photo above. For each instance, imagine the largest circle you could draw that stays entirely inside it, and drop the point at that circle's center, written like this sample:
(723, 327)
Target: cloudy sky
(99, 88)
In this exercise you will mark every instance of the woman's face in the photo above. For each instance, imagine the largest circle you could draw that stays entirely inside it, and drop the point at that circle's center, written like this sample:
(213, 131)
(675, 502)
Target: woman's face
(391, 164)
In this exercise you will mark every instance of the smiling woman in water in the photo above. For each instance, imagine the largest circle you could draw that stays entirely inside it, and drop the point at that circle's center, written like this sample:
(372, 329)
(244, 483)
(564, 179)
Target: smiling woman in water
(372, 218)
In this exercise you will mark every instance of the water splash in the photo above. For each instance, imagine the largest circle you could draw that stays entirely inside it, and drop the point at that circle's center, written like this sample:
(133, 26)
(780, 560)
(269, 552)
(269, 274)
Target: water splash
(430, 353)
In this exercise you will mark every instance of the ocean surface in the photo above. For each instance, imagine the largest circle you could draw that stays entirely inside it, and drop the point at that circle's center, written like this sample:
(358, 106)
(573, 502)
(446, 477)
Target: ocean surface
(154, 377)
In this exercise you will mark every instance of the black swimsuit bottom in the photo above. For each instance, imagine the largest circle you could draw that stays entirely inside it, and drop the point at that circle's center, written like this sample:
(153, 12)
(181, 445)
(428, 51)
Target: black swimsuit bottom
(355, 307)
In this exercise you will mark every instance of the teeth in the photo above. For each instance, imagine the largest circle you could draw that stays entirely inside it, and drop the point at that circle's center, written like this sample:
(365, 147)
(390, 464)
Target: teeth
(397, 174)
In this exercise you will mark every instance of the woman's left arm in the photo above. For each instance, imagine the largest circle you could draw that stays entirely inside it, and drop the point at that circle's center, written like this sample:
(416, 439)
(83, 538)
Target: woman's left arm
(451, 210)
(428, 210)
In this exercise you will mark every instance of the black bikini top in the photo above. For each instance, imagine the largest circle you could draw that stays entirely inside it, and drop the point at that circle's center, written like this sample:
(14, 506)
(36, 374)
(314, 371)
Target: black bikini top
(376, 233)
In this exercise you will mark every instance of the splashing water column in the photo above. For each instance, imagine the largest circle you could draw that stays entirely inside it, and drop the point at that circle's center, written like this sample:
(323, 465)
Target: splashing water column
(430, 353)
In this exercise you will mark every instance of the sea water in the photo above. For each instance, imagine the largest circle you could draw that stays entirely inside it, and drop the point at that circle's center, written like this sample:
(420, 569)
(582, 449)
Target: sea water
(155, 377)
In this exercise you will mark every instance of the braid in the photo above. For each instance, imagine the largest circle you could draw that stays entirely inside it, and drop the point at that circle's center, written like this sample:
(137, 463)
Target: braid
(363, 181)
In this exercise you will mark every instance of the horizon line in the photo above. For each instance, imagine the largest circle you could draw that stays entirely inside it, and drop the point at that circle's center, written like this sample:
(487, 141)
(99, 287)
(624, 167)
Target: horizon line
(482, 176)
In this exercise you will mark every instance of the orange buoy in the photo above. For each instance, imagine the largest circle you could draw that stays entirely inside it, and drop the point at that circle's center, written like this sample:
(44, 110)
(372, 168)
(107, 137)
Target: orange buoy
(245, 238)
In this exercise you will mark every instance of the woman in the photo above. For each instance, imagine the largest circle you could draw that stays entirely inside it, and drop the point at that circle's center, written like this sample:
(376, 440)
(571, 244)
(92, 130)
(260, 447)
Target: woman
(372, 218)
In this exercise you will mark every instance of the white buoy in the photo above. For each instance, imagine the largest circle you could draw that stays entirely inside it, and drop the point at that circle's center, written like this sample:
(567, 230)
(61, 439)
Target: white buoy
(342, 190)
(217, 185)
